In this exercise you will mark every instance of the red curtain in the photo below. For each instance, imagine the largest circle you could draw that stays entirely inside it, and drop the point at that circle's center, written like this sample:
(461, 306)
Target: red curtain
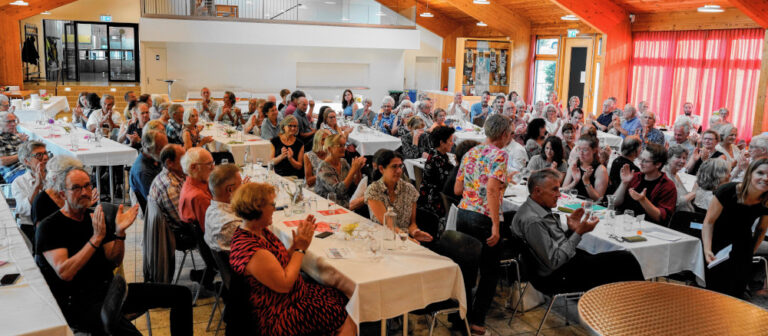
(709, 68)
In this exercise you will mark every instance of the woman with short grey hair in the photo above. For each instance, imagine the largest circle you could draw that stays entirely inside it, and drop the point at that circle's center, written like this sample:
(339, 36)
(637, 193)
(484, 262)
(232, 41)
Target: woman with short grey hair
(365, 115)
(677, 156)
(712, 173)
(728, 134)
(49, 201)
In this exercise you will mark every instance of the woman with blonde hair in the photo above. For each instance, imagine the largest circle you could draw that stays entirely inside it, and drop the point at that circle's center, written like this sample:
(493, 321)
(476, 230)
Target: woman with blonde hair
(315, 157)
(281, 301)
(191, 133)
(337, 176)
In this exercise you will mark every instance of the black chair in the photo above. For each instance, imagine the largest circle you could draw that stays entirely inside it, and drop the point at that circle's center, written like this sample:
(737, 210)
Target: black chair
(207, 255)
(218, 156)
(682, 221)
(187, 247)
(464, 250)
(429, 222)
(112, 308)
(529, 274)
(237, 309)
(222, 262)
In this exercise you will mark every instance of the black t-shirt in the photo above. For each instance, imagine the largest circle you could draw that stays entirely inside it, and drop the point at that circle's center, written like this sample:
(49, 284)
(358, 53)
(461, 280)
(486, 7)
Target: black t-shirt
(284, 168)
(614, 176)
(698, 162)
(59, 231)
(43, 206)
(631, 204)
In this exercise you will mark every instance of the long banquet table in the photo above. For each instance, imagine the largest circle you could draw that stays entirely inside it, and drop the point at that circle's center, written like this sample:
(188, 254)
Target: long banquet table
(50, 108)
(378, 288)
(259, 148)
(26, 307)
(369, 141)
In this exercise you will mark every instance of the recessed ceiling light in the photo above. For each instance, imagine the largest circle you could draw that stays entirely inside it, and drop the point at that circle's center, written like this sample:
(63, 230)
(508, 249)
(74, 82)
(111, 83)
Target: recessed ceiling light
(45, 13)
(482, 24)
(710, 9)
(345, 19)
(329, 2)
(569, 17)
(427, 15)
(481, 2)
(381, 14)
(19, 3)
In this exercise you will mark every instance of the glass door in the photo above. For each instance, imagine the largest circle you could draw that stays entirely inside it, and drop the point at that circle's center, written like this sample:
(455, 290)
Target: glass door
(70, 53)
(92, 50)
(122, 52)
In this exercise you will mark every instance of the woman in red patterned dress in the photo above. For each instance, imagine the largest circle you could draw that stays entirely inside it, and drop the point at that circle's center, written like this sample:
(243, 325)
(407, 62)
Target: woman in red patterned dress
(282, 302)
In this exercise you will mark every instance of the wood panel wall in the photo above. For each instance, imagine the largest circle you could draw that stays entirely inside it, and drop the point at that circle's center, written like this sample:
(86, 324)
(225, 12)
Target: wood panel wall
(732, 18)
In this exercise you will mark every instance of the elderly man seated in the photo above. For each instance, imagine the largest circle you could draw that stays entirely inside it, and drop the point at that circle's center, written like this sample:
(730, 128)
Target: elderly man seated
(165, 192)
(10, 140)
(647, 132)
(78, 251)
(106, 119)
(147, 165)
(551, 250)
(758, 149)
(25, 188)
(175, 126)
(220, 220)
(208, 108)
(682, 136)
(631, 123)
(195, 196)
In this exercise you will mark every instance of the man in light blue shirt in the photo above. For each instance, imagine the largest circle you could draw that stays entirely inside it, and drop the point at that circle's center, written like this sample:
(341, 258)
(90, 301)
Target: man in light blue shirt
(631, 124)
(482, 108)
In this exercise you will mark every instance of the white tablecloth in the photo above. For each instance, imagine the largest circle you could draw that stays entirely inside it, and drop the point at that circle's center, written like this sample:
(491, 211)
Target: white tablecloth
(368, 141)
(110, 153)
(50, 108)
(27, 307)
(400, 282)
(259, 148)
(608, 139)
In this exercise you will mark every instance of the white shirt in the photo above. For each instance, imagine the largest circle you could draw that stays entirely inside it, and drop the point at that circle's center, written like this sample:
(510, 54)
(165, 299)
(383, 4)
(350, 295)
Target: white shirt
(22, 187)
(458, 112)
(518, 156)
(213, 106)
(220, 225)
(731, 159)
(96, 118)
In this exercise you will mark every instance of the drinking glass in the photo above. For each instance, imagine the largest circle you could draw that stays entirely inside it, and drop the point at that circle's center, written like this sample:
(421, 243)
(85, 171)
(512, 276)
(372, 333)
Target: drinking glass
(640, 223)
(224, 161)
(573, 194)
(610, 223)
(259, 163)
(332, 199)
(287, 210)
(403, 239)
(588, 208)
(334, 224)
(629, 219)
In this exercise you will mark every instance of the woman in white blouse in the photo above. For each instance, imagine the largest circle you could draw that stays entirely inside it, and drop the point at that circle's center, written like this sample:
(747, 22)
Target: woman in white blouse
(728, 134)
(553, 121)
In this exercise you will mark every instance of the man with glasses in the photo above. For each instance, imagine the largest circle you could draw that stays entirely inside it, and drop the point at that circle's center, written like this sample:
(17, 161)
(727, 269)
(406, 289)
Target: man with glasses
(130, 133)
(78, 250)
(220, 220)
(10, 140)
(27, 186)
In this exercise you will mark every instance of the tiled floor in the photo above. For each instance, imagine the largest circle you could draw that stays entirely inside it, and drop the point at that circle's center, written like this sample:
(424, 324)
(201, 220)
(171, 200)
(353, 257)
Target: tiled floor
(498, 319)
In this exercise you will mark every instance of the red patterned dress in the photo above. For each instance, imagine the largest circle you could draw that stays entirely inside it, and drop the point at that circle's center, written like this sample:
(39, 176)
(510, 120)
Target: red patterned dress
(308, 309)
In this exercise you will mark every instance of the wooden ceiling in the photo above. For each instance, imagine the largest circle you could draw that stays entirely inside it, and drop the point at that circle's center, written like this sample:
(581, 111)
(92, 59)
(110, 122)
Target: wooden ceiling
(658, 6)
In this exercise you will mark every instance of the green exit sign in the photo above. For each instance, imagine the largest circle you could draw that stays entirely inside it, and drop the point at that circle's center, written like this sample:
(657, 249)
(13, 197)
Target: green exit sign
(106, 18)
(573, 32)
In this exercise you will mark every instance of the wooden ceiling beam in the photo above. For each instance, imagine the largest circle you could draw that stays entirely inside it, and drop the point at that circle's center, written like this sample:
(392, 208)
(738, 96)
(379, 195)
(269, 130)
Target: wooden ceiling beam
(604, 15)
(35, 7)
(757, 10)
(496, 16)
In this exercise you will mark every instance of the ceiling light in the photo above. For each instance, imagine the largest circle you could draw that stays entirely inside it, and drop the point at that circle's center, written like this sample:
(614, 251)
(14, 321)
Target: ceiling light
(381, 14)
(710, 9)
(329, 2)
(45, 13)
(482, 24)
(481, 2)
(427, 14)
(19, 3)
(345, 19)
(569, 17)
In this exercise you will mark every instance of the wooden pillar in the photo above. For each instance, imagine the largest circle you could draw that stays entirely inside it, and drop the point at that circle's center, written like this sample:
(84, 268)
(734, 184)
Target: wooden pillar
(449, 57)
(10, 53)
(759, 120)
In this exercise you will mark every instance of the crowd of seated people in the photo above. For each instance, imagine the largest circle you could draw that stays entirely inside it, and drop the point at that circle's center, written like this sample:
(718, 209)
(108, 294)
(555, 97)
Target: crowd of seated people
(559, 145)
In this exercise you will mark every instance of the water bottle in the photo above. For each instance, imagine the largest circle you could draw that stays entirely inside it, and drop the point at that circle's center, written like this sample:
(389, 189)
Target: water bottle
(97, 135)
(390, 223)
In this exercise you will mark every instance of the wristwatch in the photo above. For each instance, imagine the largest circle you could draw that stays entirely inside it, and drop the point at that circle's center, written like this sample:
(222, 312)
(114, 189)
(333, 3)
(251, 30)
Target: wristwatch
(300, 251)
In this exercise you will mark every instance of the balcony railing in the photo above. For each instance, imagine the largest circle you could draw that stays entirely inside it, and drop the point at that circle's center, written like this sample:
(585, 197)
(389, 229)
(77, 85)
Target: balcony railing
(343, 12)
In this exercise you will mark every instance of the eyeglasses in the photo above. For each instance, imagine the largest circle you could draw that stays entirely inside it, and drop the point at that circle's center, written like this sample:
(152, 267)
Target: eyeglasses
(386, 106)
(396, 166)
(76, 188)
(210, 164)
(40, 155)
(12, 121)
(293, 126)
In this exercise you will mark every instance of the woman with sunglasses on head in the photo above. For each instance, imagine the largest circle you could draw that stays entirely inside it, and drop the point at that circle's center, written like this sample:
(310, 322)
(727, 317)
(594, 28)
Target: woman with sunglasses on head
(730, 217)
(287, 149)
(586, 174)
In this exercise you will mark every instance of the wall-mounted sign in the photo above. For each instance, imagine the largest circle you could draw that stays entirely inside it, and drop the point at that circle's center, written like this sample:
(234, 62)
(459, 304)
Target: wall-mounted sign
(573, 32)
(105, 18)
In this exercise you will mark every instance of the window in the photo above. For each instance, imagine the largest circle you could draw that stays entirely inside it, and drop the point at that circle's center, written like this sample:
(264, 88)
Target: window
(545, 79)
(548, 46)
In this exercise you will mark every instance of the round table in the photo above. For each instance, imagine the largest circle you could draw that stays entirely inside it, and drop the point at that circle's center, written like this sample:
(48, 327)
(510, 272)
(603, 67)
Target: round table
(657, 308)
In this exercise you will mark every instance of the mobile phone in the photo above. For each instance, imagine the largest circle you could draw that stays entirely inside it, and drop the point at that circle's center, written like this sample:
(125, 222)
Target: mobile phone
(9, 279)
(322, 235)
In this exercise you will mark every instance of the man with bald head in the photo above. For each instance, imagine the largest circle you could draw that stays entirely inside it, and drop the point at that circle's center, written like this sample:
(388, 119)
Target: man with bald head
(195, 196)
(208, 108)
(220, 220)
(165, 192)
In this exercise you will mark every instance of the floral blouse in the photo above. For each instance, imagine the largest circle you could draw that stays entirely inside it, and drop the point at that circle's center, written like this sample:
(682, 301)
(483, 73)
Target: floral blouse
(479, 165)
(330, 180)
(315, 161)
(403, 205)
(437, 171)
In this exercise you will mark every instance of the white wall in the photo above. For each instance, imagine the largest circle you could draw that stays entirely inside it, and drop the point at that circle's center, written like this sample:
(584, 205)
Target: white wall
(261, 68)
(431, 45)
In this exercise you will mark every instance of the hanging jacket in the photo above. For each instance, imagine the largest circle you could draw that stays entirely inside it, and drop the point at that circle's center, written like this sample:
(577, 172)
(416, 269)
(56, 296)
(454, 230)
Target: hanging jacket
(29, 51)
